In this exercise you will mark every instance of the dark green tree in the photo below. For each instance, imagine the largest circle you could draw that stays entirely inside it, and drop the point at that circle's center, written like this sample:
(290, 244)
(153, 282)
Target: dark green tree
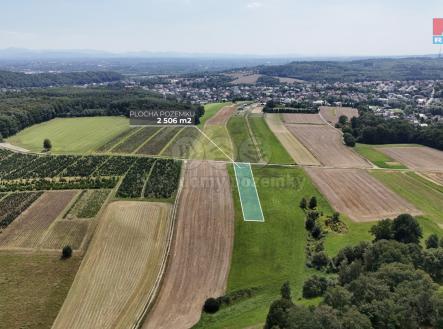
(285, 291)
(313, 203)
(382, 230)
(303, 204)
(47, 145)
(432, 241)
(406, 229)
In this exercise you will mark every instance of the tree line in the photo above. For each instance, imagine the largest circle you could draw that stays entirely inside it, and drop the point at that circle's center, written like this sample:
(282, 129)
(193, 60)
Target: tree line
(10, 79)
(19, 110)
(392, 282)
(371, 129)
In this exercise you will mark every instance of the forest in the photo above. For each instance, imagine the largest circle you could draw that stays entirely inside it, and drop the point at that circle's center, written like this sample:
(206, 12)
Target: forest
(10, 79)
(423, 68)
(371, 129)
(19, 110)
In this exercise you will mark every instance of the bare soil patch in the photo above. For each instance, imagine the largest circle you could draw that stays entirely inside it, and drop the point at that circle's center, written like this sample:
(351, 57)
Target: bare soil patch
(304, 118)
(332, 114)
(416, 158)
(436, 177)
(326, 143)
(296, 150)
(201, 251)
(222, 116)
(31, 226)
(117, 276)
(359, 195)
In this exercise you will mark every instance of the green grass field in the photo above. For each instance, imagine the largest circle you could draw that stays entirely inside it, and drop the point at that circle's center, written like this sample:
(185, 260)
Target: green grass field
(267, 254)
(71, 135)
(271, 149)
(425, 195)
(210, 110)
(33, 288)
(378, 158)
(244, 147)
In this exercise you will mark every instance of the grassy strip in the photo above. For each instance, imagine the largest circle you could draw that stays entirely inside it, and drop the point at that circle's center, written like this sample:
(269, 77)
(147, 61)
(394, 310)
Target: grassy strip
(88, 204)
(33, 288)
(135, 140)
(109, 145)
(267, 254)
(183, 143)
(272, 150)
(159, 141)
(244, 148)
(378, 158)
(425, 195)
(203, 149)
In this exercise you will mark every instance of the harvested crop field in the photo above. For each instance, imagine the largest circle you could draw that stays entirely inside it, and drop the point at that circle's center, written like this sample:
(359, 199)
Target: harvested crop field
(157, 143)
(116, 280)
(66, 233)
(332, 114)
(245, 78)
(296, 150)
(222, 116)
(359, 195)
(201, 251)
(33, 287)
(183, 144)
(416, 158)
(326, 144)
(30, 227)
(303, 118)
(130, 144)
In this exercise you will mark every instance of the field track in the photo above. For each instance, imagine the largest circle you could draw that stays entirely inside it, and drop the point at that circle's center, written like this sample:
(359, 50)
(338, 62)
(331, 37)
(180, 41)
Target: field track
(200, 257)
(31, 226)
(222, 116)
(296, 150)
(332, 114)
(302, 118)
(436, 177)
(416, 158)
(117, 276)
(359, 195)
(327, 146)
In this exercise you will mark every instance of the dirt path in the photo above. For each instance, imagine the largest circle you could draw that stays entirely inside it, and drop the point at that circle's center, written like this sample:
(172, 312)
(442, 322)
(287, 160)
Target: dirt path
(13, 148)
(200, 257)
(222, 116)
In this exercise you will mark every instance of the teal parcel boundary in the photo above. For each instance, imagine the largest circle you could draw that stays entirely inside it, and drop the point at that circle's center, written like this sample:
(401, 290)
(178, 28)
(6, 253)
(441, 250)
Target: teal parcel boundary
(247, 190)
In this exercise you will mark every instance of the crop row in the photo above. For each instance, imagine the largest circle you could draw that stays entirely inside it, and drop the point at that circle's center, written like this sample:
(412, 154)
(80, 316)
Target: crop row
(84, 167)
(159, 141)
(14, 162)
(114, 141)
(134, 181)
(14, 204)
(115, 166)
(135, 140)
(164, 179)
(39, 184)
(4, 153)
(41, 167)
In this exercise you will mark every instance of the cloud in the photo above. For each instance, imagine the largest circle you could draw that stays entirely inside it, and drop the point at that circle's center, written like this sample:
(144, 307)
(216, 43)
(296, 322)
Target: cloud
(254, 5)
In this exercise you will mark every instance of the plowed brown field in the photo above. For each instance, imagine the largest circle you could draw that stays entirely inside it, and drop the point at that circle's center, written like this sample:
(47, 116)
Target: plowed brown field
(222, 116)
(359, 195)
(296, 150)
(327, 146)
(31, 226)
(201, 252)
(416, 158)
(332, 114)
(293, 118)
(117, 276)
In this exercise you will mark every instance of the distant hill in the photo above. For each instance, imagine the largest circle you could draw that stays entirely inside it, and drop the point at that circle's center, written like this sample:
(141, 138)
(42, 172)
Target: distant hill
(10, 79)
(422, 68)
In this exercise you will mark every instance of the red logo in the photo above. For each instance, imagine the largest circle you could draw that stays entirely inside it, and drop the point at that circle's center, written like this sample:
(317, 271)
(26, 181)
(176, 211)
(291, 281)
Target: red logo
(438, 26)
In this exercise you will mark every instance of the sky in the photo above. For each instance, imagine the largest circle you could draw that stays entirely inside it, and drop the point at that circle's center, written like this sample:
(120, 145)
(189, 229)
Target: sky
(259, 27)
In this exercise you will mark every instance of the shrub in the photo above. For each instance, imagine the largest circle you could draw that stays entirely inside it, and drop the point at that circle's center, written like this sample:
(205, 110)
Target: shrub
(66, 252)
(47, 145)
(211, 306)
(320, 260)
(432, 241)
(313, 203)
(316, 232)
(309, 224)
(303, 204)
(349, 139)
(315, 286)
